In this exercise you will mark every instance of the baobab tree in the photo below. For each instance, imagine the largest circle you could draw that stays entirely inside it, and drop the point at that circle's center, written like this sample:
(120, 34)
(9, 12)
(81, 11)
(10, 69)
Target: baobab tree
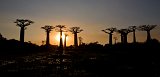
(48, 29)
(110, 32)
(60, 28)
(75, 30)
(23, 23)
(124, 33)
(147, 28)
(133, 29)
(65, 39)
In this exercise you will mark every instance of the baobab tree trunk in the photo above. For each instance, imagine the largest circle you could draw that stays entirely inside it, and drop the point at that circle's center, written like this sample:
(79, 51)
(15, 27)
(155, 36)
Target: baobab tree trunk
(148, 36)
(75, 40)
(22, 35)
(110, 39)
(125, 39)
(65, 42)
(61, 41)
(134, 37)
(47, 39)
(122, 38)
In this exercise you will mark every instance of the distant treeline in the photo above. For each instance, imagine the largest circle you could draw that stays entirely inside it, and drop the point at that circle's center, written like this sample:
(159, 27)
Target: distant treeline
(13, 46)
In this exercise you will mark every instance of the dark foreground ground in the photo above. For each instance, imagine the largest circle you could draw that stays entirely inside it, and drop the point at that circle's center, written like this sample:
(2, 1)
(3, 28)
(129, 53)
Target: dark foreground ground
(88, 60)
(49, 64)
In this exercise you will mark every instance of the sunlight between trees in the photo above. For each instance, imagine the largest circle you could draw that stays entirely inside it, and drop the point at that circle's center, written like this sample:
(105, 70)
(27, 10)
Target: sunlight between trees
(23, 23)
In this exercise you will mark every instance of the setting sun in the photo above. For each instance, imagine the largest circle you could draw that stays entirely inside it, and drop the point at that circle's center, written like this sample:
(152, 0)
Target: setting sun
(57, 37)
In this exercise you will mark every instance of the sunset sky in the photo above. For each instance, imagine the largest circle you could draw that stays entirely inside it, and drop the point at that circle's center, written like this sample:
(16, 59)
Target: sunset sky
(90, 15)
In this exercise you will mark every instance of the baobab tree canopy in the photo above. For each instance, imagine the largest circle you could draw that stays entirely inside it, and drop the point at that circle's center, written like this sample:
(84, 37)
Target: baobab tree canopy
(75, 30)
(23, 22)
(146, 27)
(124, 31)
(60, 28)
(132, 28)
(109, 30)
(48, 28)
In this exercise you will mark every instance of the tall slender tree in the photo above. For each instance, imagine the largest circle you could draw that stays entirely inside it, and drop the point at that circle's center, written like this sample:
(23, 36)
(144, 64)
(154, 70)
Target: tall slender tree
(48, 29)
(110, 32)
(23, 23)
(75, 30)
(147, 28)
(124, 33)
(133, 29)
(61, 28)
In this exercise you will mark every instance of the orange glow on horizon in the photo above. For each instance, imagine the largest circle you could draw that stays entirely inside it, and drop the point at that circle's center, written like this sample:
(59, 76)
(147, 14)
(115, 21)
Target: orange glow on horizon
(55, 39)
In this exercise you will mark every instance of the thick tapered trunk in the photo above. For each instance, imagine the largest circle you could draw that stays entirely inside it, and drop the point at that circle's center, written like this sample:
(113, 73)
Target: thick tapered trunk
(134, 37)
(22, 35)
(110, 39)
(61, 41)
(64, 44)
(148, 36)
(65, 41)
(75, 40)
(125, 39)
(122, 40)
(47, 39)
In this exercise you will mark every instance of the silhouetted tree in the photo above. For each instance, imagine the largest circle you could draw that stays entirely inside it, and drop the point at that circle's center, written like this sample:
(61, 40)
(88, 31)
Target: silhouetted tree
(48, 29)
(110, 32)
(133, 29)
(147, 28)
(80, 40)
(22, 23)
(60, 28)
(65, 38)
(124, 33)
(75, 30)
